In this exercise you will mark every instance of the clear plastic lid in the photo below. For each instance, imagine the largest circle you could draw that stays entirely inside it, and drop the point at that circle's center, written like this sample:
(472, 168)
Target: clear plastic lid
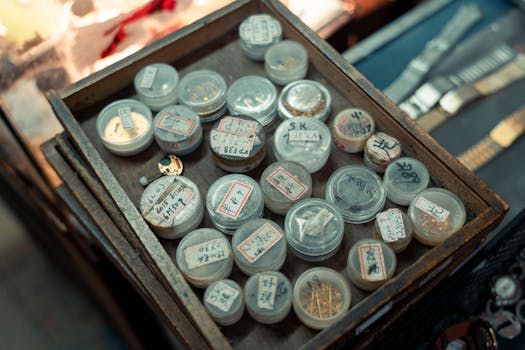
(125, 127)
(283, 184)
(357, 192)
(371, 263)
(204, 91)
(285, 62)
(204, 256)
(321, 296)
(352, 127)
(224, 301)
(303, 140)
(314, 229)
(394, 228)
(177, 128)
(156, 85)
(259, 245)
(260, 30)
(404, 178)
(304, 98)
(436, 214)
(381, 149)
(268, 296)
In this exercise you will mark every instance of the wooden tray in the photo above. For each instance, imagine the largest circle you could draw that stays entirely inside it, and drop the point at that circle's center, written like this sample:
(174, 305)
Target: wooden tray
(212, 43)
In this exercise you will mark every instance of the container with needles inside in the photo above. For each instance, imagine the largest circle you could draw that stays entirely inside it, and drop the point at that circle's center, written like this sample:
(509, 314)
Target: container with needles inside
(285, 62)
(204, 91)
(283, 184)
(233, 200)
(351, 128)
(404, 178)
(172, 206)
(436, 214)
(268, 296)
(125, 127)
(394, 228)
(303, 140)
(156, 85)
(304, 98)
(380, 150)
(257, 33)
(371, 263)
(204, 256)
(238, 143)
(224, 300)
(178, 130)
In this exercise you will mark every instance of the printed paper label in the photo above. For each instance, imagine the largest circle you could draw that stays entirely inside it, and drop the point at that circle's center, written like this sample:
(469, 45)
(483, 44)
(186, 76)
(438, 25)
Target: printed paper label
(391, 225)
(314, 225)
(372, 263)
(267, 289)
(237, 126)
(125, 117)
(173, 203)
(235, 199)
(206, 253)
(287, 184)
(304, 136)
(148, 78)
(234, 145)
(259, 242)
(432, 209)
(222, 296)
(175, 124)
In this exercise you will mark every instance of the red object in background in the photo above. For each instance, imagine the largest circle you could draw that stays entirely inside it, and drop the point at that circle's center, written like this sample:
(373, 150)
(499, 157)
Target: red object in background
(151, 7)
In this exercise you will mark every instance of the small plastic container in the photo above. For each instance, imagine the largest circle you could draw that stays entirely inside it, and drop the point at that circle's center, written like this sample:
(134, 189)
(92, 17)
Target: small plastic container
(285, 62)
(178, 130)
(394, 228)
(233, 200)
(224, 301)
(268, 296)
(238, 143)
(380, 150)
(314, 229)
(283, 184)
(371, 263)
(321, 296)
(172, 206)
(357, 192)
(436, 214)
(204, 91)
(404, 178)
(303, 140)
(255, 97)
(204, 256)
(259, 245)
(156, 85)
(305, 98)
(257, 33)
(125, 127)
(351, 129)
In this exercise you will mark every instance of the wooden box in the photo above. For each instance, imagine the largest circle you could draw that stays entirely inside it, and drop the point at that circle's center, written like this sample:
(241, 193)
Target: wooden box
(107, 187)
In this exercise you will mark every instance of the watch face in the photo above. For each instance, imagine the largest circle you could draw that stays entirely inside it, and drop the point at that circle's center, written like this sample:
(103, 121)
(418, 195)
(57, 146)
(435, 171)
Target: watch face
(505, 287)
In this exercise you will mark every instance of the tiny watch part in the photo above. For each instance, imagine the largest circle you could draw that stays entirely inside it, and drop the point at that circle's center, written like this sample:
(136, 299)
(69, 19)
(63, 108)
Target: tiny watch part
(170, 165)
(506, 290)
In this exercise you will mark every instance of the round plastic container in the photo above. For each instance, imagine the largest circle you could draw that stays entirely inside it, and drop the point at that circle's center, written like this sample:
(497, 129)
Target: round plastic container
(204, 256)
(394, 228)
(357, 192)
(253, 96)
(314, 229)
(436, 214)
(259, 245)
(303, 140)
(257, 33)
(321, 296)
(351, 128)
(380, 150)
(156, 85)
(125, 127)
(404, 178)
(204, 91)
(284, 184)
(177, 130)
(233, 200)
(238, 143)
(224, 301)
(305, 98)
(285, 62)
(371, 263)
(268, 296)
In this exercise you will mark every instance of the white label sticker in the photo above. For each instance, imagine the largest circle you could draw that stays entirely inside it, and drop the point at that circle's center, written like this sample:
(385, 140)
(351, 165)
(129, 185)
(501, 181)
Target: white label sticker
(432, 209)
(234, 145)
(259, 242)
(391, 225)
(237, 126)
(287, 184)
(304, 136)
(235, 199)
(125, 117)
(206, 253)
(372, 263)
(315, 224)
(222, 296)
(267, 289)
(173, 203)
(260, 30)
(175, 124)
(148, 78)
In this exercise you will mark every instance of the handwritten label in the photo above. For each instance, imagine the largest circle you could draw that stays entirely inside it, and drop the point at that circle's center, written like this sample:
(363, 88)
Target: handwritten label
(372, 263)
(304, 136)
(432, 209)
(172, 204)
(361, 186)
(235, 199)
(266, 293)
(259, 242)
(287, 184)
(357, 124)
(222, 296)
(234, 145)
(206, 253)
(407, 173)
(149, 77)
(175, 124)
(125, 117)
(237, 126)
(314, 225)
(391, 225)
